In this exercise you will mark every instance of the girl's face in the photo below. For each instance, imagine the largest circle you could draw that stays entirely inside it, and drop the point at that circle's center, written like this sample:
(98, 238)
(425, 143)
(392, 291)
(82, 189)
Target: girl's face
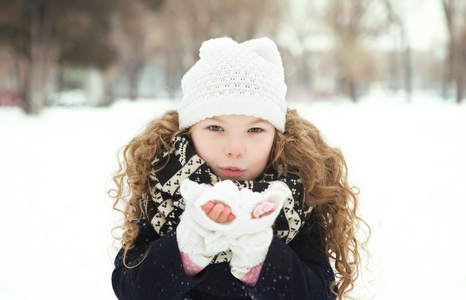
(236, 147)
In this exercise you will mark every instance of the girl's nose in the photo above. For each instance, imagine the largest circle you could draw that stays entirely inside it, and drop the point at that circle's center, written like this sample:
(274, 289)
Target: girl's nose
(235, 147)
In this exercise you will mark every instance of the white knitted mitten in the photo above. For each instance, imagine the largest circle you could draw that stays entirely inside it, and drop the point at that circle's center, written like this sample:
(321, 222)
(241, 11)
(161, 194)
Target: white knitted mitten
(251, 238)
(197, 235)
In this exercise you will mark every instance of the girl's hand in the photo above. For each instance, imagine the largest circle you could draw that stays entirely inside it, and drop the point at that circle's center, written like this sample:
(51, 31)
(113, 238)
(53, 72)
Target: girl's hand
(263, 209)
(218, 212)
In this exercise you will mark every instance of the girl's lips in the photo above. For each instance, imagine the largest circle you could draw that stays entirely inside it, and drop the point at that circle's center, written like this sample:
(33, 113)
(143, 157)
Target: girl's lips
(232, 171)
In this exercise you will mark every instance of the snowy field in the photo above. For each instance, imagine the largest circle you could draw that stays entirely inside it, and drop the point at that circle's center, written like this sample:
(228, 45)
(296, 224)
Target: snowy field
(409, 161)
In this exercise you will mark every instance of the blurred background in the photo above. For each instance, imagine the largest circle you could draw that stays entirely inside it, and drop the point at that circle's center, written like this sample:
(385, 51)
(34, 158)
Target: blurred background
(383, 80)
(92, 52)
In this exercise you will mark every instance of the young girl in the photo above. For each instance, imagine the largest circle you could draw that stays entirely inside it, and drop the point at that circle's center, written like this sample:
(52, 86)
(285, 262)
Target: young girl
(235, 196)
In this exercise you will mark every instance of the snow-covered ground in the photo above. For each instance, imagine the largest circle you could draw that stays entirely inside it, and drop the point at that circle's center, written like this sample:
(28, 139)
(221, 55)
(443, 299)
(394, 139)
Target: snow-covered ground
(409, 161)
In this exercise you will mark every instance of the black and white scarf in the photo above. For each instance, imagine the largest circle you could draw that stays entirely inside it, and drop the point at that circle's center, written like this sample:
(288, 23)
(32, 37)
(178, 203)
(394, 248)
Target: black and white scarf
(183, 162)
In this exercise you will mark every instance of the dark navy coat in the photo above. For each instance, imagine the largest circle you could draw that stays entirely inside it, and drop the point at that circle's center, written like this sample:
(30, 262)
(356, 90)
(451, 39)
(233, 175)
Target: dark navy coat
(298, 270)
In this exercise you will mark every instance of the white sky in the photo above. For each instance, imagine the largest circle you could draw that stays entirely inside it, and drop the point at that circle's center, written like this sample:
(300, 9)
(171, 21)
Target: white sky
(425, 22)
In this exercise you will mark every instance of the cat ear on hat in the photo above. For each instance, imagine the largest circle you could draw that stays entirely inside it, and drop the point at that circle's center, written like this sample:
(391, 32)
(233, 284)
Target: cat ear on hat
(213, 45)
(265, 48)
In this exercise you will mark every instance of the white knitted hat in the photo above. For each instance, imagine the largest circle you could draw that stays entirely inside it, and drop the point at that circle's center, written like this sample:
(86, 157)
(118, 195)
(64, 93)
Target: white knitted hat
(235, 79)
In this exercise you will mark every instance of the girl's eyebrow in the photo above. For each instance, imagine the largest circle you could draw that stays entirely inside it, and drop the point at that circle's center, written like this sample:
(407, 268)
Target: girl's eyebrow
(252, 122)
(215, 118)
(257, 121)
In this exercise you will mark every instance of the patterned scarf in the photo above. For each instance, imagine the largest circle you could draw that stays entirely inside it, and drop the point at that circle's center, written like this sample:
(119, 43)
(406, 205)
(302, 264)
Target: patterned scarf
(182, 162)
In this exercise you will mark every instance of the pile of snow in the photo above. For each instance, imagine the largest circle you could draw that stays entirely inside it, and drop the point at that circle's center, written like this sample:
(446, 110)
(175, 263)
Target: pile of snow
(409, 161)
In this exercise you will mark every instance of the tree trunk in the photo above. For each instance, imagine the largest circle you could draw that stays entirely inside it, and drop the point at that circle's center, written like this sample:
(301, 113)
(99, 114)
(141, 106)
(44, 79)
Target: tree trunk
(133, 80)
(35, 96)
(352, 90)
(455, 63)
(407, 78)
(393, 72)
(133, 69)
(42, 55)
(172, 79)
(459, 86)
(404, 48)
(108, 84)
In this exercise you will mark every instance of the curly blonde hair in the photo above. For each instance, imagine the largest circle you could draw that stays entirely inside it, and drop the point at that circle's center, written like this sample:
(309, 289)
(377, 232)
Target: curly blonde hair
(301, 149)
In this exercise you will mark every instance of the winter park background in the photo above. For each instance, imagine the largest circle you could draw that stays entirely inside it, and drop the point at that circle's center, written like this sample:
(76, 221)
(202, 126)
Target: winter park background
(408, 157)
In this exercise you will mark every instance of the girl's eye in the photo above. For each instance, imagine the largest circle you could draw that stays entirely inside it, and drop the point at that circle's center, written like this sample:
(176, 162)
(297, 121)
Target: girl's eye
(215, 128)
(255, 130)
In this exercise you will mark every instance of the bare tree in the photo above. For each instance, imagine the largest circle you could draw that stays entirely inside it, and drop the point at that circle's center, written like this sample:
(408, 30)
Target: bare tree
(352, 23)
(37, 49)
(455, 15)
(299, 26)
(45, 33)
(461, 71)
(395, 19)
(133, 37)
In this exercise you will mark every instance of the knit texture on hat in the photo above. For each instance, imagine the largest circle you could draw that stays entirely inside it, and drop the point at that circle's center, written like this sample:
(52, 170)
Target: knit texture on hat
(235, 78)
